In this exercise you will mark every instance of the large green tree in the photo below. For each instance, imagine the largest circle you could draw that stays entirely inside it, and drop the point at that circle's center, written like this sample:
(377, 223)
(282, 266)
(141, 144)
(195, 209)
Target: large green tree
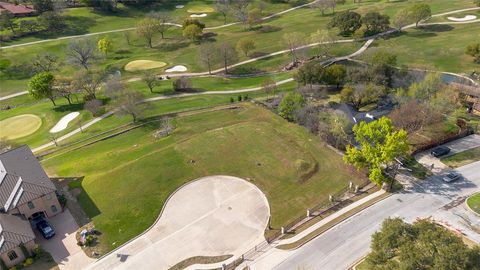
(380, 144)
(291, 102)
(41, 86)
(348, 22)
(420, 12)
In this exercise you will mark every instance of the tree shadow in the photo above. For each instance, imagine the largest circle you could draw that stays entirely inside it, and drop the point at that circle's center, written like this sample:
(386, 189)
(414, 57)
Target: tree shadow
(173, 46)
(69, 107)
(437, 28)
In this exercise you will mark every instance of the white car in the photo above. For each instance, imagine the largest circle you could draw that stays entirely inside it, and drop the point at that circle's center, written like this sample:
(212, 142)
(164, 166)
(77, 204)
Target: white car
(451, 176)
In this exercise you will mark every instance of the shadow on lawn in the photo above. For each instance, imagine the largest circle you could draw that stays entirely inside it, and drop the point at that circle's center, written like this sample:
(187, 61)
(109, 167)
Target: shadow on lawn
(74, 185)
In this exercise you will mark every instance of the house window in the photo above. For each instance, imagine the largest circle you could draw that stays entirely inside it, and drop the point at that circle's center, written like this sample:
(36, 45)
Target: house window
(54, 208)
(12, 255)
(30, 205)
(49, 196)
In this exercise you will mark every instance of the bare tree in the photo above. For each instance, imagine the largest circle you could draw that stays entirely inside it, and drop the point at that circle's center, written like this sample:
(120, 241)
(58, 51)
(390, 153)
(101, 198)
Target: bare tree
(208, 55)
(150, 79)
(129, 103)
(94, 106)
(223, 7)
(325, 40)
(82, 52)
(413, 116)
(45, 62)
(240, 8)
(65, 88)
(146, 28)
(293, 42)
(89, 82)
(163, 20)
(228, 55)
(128, 36)
(269, 87)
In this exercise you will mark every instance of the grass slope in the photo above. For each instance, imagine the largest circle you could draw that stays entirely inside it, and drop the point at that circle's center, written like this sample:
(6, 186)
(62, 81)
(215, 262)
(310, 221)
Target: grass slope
(462, 158)
(138, 172)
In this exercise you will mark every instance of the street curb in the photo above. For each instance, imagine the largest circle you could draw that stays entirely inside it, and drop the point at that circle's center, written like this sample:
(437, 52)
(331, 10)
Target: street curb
(468, 207)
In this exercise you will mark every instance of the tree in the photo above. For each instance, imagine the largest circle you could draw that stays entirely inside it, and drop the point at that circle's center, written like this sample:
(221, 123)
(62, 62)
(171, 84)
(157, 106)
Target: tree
(446, 100)
(269, 86)
(105, 46)
(420, 12)
(94, 106)
(7, 21)
(477, 2)
(335, 74)
(128, 102)
(150, 79)
(333, 127)
(190, 21)
(325, 40)
(103, 5)
(413, 116)
(361, 94)
(228, 55)
(380, 146)
(28, 26)
(41, 86)
(240, 9)
(347, 21)
(43, 5)
(45, 62)
(163, 21)
(245, 45)
(52, 21)
(474, 51)
(375, 22)
(310, 73)
(291, 102)
(192, 32)
(208, 55)
(254, 17)
(81, 52)
(181, 84)
(223, 7)
(293, 41)
(147, 28)
(89, 82)
(421, 245)
(323, 5)
(426, 89)
(402, 19)
(64, 88)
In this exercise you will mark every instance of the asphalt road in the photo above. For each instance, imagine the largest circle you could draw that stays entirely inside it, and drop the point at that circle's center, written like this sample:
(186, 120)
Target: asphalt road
(344, 244)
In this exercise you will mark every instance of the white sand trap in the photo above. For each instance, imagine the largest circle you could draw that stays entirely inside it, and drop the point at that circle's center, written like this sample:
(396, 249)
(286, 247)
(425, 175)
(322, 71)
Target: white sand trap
(178, 68)
(464, 19)
(198, 15)
(179, 6)
(214, 215)
(63, 123)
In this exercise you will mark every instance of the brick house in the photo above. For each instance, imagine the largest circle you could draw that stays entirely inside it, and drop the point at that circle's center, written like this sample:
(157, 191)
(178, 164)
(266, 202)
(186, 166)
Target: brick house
(25, 192)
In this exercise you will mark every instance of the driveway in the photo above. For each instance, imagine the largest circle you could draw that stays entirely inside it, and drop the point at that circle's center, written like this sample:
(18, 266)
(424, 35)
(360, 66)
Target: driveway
(63, 246)
(457, 146)
(212, 216)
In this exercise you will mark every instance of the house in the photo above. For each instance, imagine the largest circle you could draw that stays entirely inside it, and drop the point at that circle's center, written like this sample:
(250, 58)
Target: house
(17, 10)
(471, 95)
(14, 231)
(25, 192)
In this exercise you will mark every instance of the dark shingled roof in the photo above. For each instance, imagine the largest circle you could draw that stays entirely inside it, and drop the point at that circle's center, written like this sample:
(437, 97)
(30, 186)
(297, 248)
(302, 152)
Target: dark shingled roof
(22, 178)
(14, 231)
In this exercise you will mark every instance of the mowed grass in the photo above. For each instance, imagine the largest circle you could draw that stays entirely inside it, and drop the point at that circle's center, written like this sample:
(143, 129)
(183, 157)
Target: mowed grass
(474, 203)
(128, 178)
(19, 126)
(435, 47)
(463, 158)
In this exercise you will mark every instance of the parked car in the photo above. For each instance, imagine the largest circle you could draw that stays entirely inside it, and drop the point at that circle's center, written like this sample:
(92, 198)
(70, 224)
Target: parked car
(451, 176)
(440, 151)
(45, 229)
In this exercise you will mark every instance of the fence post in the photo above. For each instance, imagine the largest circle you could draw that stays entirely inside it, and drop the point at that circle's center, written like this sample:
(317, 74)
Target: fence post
(350, 185)
(283, 230)
(308, 213)
(330, 198)
(356, 188)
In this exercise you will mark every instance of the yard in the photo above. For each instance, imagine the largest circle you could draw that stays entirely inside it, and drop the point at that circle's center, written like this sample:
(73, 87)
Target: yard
(128, 178)
(462, 158)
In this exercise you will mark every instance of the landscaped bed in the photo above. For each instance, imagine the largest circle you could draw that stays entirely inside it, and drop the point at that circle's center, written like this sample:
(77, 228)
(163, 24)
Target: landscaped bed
(143, 170)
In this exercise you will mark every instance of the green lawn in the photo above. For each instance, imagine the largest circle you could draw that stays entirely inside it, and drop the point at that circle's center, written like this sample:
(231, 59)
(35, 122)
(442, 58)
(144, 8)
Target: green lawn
(141, 170)
(474, 203)
(435, 47)
(462, 158)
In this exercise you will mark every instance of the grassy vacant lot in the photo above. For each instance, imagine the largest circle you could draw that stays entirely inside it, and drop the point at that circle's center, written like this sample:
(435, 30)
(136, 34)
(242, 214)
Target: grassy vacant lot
(128, 178)
(439, 47)
(462, 158)
(474, 203)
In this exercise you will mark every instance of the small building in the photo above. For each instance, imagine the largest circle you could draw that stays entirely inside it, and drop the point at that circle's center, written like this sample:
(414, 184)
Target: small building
(471, 96)
(14, 232)
(17, 10)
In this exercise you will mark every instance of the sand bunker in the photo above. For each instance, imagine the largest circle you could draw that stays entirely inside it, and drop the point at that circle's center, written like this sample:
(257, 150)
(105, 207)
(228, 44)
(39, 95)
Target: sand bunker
(464, 19)
(198, 15)
(19, 126)
(63, 123)
(179, 6)
(143, 65)
(178, 68)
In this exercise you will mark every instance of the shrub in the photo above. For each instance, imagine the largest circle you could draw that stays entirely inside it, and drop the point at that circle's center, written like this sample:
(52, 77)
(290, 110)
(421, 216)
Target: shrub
(239, 98)
(89, 240)
(27, 262)
(232, 100)
(182, 83)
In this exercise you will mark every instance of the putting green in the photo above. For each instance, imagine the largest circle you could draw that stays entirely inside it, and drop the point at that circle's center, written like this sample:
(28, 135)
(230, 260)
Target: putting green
(143, 65)
(200, 9)
(19, 126)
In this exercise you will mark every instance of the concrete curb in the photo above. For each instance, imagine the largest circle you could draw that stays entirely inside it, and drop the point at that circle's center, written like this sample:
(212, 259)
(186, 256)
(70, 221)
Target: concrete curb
(468, 206)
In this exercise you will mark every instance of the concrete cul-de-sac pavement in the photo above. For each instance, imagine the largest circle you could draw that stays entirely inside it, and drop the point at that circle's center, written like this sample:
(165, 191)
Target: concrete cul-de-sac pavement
(212, 216)
(457, 146)
(63, 246)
